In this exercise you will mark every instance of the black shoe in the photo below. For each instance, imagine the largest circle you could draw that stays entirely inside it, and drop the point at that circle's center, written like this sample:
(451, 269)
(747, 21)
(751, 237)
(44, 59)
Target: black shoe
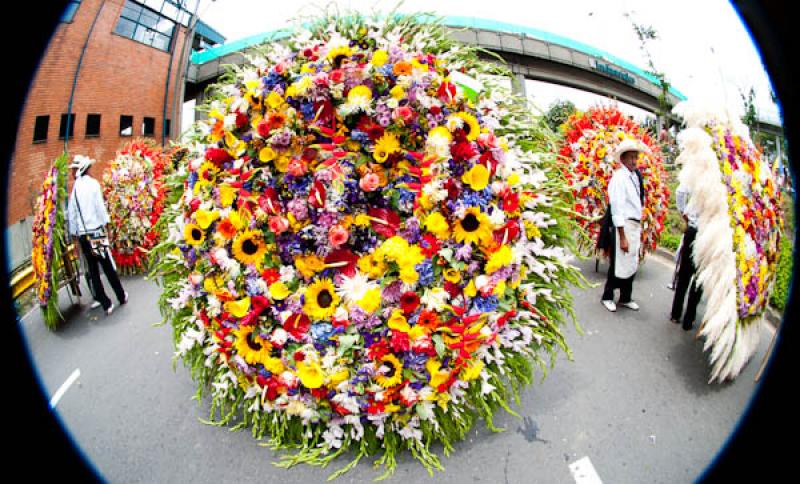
(687, 327)
(673, 320)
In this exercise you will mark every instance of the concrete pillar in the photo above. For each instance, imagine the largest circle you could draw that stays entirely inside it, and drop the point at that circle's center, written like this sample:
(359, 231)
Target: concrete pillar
(518, 85)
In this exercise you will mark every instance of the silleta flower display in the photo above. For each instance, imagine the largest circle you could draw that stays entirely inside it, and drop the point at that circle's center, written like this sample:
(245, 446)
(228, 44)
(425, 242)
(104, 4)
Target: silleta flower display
(365, 256)
(134, 190)
(739, 231)
(48, 240)
(590, 140)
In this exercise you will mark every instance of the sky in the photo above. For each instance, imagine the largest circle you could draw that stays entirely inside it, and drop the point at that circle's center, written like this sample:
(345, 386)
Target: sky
(702, 46)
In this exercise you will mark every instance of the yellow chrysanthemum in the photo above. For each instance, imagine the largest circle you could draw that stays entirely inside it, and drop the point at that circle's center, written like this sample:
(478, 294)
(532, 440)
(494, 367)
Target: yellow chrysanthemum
(409, 275)
(397, 92)
(226, 195)
(250, 346)
(380, 57)
(371, 300)
(474, 227)
(193, 234)
(499, 259)
(321, 300)
(249, 248)
(477, 177)
(359, 95)
(371, 266)
(436, 224)
(385, 146)
(390, 372)
(309, 265)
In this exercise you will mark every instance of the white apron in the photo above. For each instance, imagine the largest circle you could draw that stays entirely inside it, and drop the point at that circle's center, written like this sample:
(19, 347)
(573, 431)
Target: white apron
(625, 264)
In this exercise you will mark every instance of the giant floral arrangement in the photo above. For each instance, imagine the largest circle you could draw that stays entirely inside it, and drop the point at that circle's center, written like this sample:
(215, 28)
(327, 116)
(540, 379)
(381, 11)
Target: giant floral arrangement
(366, 255)
(740, 221)
(590, 140)
(133, 186)
(48, 240)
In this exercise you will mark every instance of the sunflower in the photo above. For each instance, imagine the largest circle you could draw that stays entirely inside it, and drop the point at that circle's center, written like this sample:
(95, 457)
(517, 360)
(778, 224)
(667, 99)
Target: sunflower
(470, 126)
(338, 54)
(250, 346)
(385, 146)
(193, 234)
(248, 248)
(393, 373)
(321, 300)
(473, 227)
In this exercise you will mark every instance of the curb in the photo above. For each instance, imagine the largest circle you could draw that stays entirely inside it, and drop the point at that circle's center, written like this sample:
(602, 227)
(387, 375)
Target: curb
(772, 316)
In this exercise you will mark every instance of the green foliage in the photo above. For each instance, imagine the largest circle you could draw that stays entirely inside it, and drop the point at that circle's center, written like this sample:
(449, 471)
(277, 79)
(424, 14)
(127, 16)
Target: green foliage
(51, 313)
(558, 114)
(783, 280)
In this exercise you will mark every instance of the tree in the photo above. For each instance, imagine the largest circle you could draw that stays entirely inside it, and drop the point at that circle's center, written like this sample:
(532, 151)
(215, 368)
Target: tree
(646, 34)
(558, 113)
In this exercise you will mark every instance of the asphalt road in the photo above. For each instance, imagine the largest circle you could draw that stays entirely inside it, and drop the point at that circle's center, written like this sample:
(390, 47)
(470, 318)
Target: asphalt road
(634, 401)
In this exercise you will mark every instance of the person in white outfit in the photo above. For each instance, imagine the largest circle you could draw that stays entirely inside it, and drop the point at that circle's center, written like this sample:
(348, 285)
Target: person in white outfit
(625, 198)
(86, 220)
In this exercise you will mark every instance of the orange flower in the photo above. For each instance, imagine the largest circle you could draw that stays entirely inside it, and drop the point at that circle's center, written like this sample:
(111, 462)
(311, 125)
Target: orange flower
(428, 319)
(275, 120)
(226, 229)
(402, 68)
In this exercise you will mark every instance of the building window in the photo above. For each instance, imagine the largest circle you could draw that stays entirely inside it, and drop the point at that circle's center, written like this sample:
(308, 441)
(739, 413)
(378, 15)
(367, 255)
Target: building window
(126, 125)
(62, 128)
(167, 126)
(154, 26)
(40, 129)
(69, 10)
(92, 125)
(149, 126)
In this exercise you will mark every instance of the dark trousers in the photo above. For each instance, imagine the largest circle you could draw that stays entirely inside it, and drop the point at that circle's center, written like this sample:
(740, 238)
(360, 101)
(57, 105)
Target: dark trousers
(94, 274)
(625, 286)
(686, 271)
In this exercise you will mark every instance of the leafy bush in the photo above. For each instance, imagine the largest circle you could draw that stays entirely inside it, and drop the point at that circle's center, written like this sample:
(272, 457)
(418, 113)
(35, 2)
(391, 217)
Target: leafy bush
(783, 281)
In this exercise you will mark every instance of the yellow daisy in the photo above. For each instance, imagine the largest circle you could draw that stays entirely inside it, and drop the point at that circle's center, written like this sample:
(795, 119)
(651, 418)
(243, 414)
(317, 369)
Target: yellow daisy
(385, 146)
(337, 54)
(474, 227)
(390, 372)
(248, 248)
(321, 300)
(250, 346)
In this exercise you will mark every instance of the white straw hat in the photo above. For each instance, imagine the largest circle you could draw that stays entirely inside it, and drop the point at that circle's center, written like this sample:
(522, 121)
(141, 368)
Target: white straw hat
(629, 144)
(82, 163)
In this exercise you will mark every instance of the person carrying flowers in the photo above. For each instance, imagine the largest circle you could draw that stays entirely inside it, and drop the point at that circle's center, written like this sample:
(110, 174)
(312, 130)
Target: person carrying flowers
(86, 219)
(625, 197)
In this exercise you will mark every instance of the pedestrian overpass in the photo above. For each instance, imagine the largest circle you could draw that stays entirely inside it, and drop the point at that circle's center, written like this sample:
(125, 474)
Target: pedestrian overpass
(530, 53)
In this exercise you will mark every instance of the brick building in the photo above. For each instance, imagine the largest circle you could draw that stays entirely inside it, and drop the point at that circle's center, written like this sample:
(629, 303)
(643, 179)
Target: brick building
(122, 52)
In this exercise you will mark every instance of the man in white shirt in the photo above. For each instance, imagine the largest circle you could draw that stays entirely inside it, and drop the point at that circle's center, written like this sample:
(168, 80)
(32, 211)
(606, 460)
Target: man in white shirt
(86, 219)
(625, 198)
(687, 268)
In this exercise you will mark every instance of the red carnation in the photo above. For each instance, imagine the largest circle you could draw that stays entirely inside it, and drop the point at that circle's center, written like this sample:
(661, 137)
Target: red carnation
(409, 302)
(218, 156)
(463, 151)
(241, 120)
(263, 129)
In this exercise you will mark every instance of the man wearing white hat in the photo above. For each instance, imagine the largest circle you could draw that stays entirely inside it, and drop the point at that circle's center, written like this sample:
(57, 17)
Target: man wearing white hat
(86, 219)
(625, 198)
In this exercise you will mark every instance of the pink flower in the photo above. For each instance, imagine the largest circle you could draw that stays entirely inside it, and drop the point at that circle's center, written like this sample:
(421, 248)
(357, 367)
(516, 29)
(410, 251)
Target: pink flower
(296, 167)
(403, 112)
(369, 182)
(337, 235)
(278, 224)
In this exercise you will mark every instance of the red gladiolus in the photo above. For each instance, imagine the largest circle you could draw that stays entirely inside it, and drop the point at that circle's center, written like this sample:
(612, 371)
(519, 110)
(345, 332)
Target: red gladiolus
(270, 276)
(511, 201)
(241, 120)
(409, 302)
(400, 342)
(463, 151)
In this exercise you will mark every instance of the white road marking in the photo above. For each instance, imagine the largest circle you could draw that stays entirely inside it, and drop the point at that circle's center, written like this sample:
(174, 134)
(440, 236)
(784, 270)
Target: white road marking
(64, 387)
(583, 472)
